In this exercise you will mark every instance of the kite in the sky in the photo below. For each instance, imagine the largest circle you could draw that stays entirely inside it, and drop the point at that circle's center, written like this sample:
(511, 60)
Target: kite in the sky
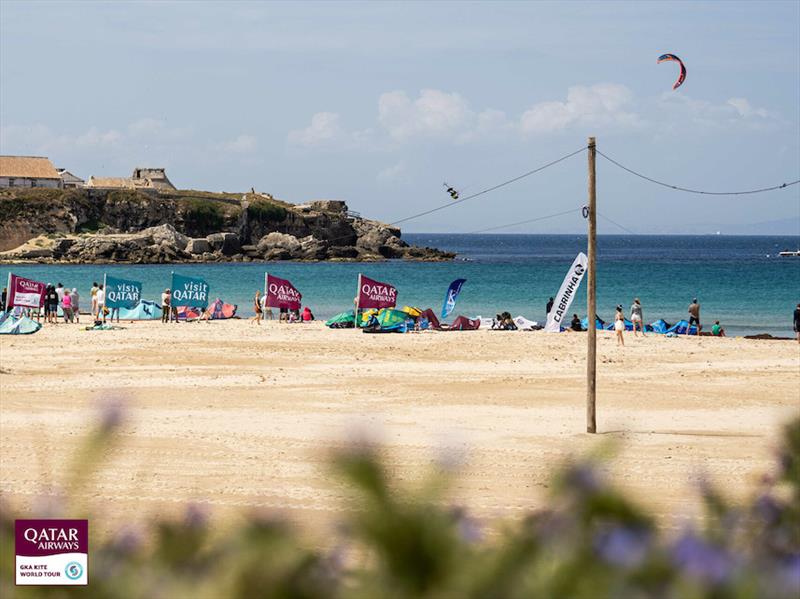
(682, 76)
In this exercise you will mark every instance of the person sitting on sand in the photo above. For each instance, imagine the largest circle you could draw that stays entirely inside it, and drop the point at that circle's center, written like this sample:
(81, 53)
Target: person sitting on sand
(636, 316)
(257, 307)
(619, 326)
(575, 325)
(694, 316)
(717, 331)
(307, 315)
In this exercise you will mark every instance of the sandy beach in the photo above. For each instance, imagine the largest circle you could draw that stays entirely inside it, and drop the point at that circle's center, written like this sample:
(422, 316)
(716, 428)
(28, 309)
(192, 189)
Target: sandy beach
(239, 416)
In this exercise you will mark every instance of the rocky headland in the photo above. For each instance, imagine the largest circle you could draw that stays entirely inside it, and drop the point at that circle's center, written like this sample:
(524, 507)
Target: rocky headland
(96, 226)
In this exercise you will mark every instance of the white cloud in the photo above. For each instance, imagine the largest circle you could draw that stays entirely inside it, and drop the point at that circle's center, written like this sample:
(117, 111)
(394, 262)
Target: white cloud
(433, 114)
(324, 129)
(745, 109)
(392, 173)
(243, 144)
(681, 108)
(597, 105)
(156, 130)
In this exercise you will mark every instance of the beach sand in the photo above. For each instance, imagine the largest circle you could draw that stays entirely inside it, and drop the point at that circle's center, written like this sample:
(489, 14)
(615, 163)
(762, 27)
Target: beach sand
(239, 416)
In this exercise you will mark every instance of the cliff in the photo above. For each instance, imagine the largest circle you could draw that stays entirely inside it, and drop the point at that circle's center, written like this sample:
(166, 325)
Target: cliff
(95, 225)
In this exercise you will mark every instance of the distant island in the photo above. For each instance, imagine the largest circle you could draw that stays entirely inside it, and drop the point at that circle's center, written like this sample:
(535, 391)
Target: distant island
(156, 226)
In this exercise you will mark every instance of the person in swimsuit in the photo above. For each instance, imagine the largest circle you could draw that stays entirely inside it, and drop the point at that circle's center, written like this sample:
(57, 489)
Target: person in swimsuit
(619, 325)
(636, 316)
(694, 316)
(257, 307)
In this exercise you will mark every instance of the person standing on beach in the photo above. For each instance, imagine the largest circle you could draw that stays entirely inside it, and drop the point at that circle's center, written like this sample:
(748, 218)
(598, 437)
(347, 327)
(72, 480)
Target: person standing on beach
(66, 306)
(3, 299)
(619, 325)
(101, 303)
(694, 316)
(76, 304)
(797, 322)
(93, 293)
(257, 307)
(165, 302)
(636, 316)
(51, 305)
(266, 311)
(548, 308)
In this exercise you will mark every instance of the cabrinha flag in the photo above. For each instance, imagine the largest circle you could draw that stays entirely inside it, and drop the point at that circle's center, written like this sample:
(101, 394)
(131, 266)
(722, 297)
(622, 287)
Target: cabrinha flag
(451, 296)
(122, 293)
(281, 293)
(189, 291)
(566, 294)
(374, 294)
(24, 292)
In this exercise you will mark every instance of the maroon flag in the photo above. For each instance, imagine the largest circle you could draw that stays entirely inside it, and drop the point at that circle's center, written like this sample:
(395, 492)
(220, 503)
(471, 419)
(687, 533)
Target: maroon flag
(374, 294)
(282, 294)
(24, 292)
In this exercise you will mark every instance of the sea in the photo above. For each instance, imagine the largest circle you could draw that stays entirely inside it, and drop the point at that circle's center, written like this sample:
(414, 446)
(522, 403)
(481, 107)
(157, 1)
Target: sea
(739, 280)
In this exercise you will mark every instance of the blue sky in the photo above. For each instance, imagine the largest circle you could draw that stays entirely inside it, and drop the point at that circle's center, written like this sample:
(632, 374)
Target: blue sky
(378, 104)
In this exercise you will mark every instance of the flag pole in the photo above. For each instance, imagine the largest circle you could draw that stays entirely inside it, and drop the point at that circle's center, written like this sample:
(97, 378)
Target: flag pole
(266, 300)
(8, 307)
(358, 297)
(591, 299)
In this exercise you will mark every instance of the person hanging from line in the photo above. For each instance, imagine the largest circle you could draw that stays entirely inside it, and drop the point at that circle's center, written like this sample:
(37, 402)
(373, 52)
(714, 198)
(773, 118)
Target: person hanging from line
(694, 317)
(451, 190)
(619, 325)
(636, 316)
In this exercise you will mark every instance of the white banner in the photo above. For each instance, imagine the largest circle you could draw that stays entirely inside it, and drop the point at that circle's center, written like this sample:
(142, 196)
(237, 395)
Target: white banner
(558, 314)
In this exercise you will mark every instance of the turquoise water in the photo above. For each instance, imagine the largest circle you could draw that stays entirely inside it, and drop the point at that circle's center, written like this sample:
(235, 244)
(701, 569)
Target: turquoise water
(739, 280)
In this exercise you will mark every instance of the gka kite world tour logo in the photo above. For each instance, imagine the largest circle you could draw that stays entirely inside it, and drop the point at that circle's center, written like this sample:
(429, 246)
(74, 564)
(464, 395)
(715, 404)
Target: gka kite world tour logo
(51, 552)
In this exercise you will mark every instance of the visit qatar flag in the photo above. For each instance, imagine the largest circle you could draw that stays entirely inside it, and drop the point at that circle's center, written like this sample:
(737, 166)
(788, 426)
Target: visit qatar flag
(374, 294)
(281, 293)
(24, 292)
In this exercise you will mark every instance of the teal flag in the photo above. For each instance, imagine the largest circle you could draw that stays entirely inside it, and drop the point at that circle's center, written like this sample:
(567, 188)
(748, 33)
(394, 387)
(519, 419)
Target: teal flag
(122, 293)
(189, 291)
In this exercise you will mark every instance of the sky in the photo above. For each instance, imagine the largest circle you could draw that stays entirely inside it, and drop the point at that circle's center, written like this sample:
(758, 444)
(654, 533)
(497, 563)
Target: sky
(379, 104)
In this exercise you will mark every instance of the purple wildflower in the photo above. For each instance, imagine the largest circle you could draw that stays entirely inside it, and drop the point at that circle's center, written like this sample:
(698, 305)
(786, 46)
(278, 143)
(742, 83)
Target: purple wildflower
(583, 477)
(699, 559)
(112, 414)
(468, 528)
(196, 516)
(622, 546)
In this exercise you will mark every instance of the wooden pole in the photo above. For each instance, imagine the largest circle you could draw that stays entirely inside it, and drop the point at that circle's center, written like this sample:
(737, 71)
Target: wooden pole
(591, 299)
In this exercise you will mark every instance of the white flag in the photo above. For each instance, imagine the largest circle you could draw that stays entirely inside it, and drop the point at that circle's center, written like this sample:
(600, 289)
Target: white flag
(566, 294)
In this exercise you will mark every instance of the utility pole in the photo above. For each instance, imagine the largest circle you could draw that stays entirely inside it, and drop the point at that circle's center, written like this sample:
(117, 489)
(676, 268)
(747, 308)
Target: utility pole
(591, 298)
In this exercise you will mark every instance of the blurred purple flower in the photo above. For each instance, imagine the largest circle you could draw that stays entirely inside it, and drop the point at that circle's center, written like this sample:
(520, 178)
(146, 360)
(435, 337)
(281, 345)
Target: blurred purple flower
(468, 528)
(583, 477)
(112, 413)
(768, 508)
(127, 541)
(698, 559)
(196, 516)
(623, 546)
(790, 574)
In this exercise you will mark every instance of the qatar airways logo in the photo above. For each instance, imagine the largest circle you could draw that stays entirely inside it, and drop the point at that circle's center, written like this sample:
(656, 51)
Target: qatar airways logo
(31, 286)
(51, 552)
(382, 293)
(284, 292)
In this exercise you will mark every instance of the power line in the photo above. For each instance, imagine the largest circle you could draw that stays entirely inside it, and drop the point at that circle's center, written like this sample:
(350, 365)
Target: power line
(613, 222)
(711, 193)
(524, 222)
(488, 189)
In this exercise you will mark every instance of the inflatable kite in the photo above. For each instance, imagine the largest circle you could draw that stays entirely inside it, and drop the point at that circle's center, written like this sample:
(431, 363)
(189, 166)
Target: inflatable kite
(682, 76)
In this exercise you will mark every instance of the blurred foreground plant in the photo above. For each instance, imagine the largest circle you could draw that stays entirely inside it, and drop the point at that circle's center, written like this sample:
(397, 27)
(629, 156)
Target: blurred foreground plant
(592, 542)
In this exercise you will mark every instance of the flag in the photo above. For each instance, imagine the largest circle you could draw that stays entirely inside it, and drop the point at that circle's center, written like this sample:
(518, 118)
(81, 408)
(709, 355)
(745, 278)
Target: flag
(122, 293)
(189, 291)
(451, 296)
(282, 294)
(566, 294)
(25, 293)
(374, 294)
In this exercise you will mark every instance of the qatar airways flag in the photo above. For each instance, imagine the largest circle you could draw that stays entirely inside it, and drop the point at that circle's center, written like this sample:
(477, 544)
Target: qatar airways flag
(282, 294)
(374, 294)
(24, 292)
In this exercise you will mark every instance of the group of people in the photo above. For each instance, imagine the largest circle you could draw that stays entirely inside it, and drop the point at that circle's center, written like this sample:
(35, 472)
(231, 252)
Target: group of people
(59, 299)
(264, 311)
(637, 320)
